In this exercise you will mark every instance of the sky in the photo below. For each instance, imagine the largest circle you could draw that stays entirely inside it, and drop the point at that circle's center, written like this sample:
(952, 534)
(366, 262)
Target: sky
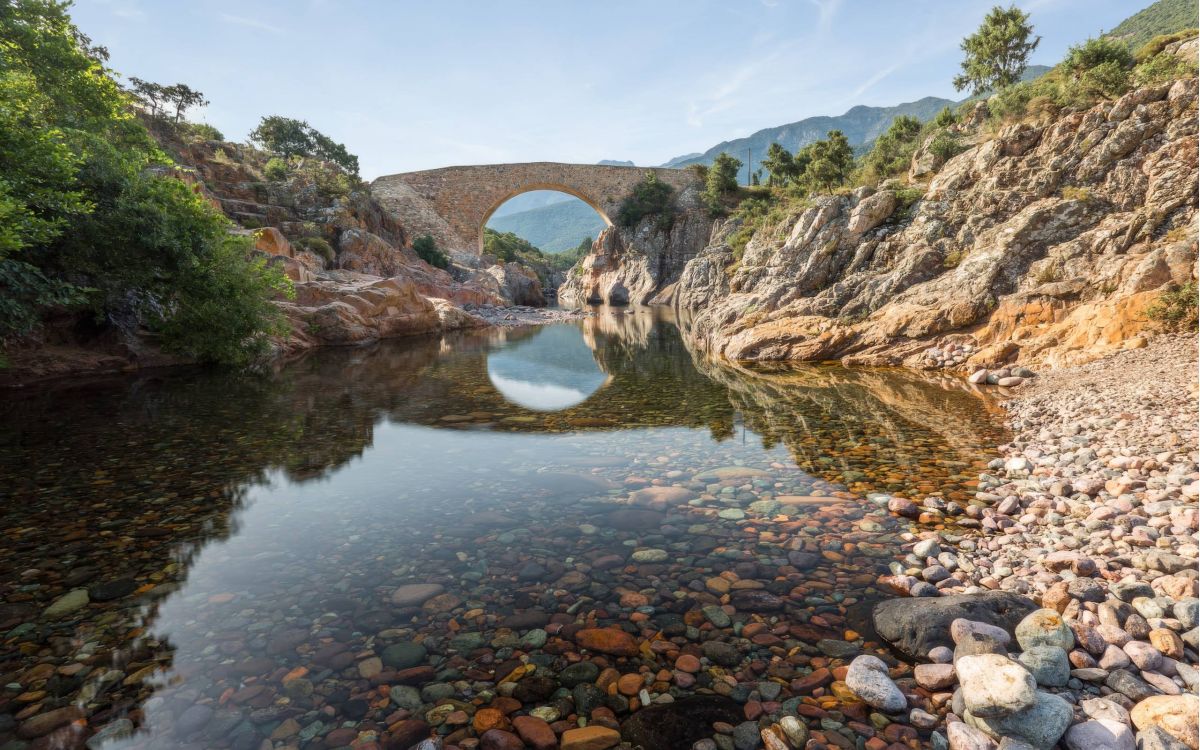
(411, 85)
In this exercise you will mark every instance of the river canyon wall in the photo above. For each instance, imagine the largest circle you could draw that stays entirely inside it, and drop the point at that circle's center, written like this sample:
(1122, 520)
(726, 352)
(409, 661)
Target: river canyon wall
(1042, 243)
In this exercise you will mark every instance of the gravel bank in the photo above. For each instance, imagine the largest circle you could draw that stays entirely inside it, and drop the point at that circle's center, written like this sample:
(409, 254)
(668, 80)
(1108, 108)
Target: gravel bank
(1091, 513)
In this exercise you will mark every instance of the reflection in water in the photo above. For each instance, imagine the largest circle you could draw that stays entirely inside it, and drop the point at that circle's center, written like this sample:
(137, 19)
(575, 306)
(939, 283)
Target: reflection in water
(216, 561)
(549, 371)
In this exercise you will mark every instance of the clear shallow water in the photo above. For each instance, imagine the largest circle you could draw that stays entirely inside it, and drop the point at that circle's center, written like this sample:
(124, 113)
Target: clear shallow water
(242, 540)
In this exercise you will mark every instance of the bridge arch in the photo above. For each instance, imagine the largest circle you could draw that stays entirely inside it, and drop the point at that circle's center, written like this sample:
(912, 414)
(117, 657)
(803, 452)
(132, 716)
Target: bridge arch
(566, 189)
(465, 197)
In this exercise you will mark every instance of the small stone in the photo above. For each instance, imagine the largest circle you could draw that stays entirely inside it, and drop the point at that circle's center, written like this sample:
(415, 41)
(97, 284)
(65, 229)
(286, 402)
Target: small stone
(1041, 724)
(868, 678)
(1174, 714)
(935, 676)
(1099, 734)
(1044, 627)
(1048, 665)
(415, 594)
(593, 737)
(993, 685)
(67, 603)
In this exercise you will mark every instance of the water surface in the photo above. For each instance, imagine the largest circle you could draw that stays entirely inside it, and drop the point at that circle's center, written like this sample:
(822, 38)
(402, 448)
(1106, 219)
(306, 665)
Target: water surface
(242, 540)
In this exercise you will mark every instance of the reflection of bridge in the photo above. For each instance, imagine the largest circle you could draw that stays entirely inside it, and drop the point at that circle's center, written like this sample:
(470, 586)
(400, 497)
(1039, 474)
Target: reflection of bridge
(466, 197)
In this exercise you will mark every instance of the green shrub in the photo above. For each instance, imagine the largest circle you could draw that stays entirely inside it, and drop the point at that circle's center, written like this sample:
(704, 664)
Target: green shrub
(945, 145)
(1161, 68)
(945, 118)
(318, 246)
(221, 311)
(1176, 308)
(1073, 193)
(276, 169)
(1156, 45)
(202, 131)
(720, 182)
(427, 250)
(1095, 53)
(650, 197)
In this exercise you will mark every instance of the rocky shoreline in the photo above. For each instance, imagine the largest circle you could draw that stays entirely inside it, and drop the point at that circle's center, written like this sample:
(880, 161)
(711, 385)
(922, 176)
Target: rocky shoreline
(1091, 513)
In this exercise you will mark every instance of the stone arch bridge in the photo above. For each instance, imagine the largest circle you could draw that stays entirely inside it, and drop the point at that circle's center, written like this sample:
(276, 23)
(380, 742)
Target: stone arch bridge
(466, 197)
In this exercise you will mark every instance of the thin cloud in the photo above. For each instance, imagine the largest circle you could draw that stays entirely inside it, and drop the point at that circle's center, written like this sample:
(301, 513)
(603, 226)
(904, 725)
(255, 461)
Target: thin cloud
(251, 23)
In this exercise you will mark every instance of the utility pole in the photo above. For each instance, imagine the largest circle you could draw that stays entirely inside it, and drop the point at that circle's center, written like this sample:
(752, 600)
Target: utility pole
(749, 166)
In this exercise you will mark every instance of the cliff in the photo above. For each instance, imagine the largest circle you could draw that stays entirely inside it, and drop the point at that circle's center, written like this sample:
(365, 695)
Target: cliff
(640, 264)
(1043, 242)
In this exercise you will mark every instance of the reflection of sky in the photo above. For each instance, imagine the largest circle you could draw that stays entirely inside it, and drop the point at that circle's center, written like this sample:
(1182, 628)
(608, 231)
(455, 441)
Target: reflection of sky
(553, 369)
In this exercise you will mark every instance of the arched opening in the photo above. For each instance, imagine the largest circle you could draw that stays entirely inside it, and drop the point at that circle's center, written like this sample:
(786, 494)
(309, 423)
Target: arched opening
(555, 219)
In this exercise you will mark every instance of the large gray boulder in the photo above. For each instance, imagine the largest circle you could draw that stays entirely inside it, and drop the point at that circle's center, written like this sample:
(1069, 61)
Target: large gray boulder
(915, 626)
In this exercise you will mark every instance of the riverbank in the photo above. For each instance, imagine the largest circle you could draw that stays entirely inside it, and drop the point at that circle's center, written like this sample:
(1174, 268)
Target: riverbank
(1090, 512)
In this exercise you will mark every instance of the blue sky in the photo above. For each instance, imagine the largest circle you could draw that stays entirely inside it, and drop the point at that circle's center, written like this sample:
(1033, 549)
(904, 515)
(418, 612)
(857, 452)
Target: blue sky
(415, 85)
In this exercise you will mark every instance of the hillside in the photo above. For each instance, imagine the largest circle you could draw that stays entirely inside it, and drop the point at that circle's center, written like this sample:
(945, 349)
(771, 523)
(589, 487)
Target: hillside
(553, 228)
(1163, 17)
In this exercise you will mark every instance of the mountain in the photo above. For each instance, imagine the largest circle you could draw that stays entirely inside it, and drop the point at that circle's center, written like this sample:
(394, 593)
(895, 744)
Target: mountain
(552, 228)
(861, 124)
(1163, 17)
(615, 163)
(529, 201)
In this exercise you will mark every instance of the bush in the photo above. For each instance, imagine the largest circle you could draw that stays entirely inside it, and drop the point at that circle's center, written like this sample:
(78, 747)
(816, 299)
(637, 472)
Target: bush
(202, 131)
(221, 311)
(650, 197)
(1176, 308)
(318, 246)
(139, 244)
(427, 250)
(1161, 68)
(276, 169)
(945, 118)
(945, 145)
(720, 181)
(1094, 53)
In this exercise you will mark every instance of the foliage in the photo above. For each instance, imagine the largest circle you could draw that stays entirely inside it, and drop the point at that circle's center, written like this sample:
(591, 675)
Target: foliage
(568, 258)
(945, 145)
(699, 171)
(1176, 308)
(202, 131)
(650, 197)
(996, 54)
(1099, 67)
(221, 311)
(72, 153)
(893, 151)
(832, 161)
(780, 164)
(1073, 193)
(1157, 66)
(287, 137)
(945, 118)
(427, 250)
(155, 97)
(317, 245)
(720, 182)
(276, 169)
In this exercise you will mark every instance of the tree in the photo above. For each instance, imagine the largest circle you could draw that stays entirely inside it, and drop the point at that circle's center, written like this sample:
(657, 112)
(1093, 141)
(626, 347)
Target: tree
(152, 95)
(141, 245)
(780, 164)
(650, 197)
(996, 54)
(721, 180)
(1099, 67)
(893, 150)
(832, 161)
(283, 136)
(288, 137)
(184, 98)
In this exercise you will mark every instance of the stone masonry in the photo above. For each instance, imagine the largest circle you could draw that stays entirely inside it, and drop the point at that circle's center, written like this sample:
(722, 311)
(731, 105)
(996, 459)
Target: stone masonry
(465, 197)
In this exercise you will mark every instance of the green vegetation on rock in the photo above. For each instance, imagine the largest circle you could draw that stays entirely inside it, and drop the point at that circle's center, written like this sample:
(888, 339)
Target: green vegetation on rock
(427, 250)
(286, 137)
(650, 197)
(91, 218)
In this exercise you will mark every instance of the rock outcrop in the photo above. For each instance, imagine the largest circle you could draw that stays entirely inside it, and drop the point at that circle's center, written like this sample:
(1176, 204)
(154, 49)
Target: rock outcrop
(639, 265)
(1044, 243)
